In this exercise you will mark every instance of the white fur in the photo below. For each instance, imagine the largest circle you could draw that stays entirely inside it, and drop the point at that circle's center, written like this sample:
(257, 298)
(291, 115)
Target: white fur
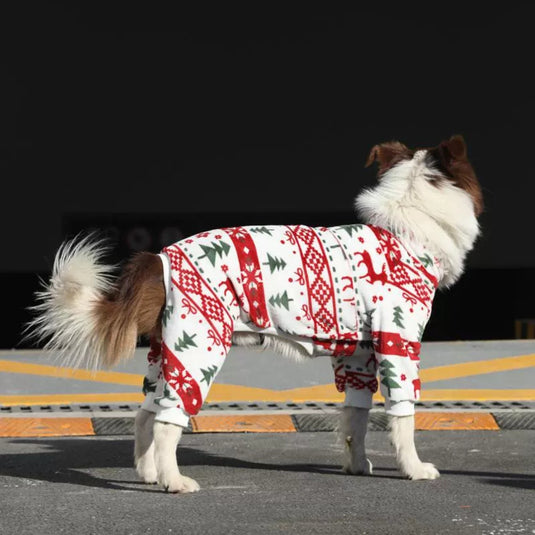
(409, 464)
(354, 425)
(286, 348)
(439, 217)
(66, 305)
(144, 446)
(166, 439)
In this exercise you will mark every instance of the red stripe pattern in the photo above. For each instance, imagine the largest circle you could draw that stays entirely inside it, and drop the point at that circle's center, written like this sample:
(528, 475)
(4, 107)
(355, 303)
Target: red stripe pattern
(194, 287)
(354, 379)
(181, 381)
(393, 344)
(251, 275)
(322, 299)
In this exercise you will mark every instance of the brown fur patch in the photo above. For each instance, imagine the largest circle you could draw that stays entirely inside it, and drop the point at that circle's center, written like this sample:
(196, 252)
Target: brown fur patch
(388, 154)
(133, 309)
(452, 156)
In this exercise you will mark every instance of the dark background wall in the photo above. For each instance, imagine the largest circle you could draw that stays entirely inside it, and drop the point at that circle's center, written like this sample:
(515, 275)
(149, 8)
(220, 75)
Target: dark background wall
(149, 121)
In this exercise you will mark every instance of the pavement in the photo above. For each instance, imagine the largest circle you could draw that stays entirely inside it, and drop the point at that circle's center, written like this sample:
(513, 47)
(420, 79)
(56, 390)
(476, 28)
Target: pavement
(269, 483)
(265, 450)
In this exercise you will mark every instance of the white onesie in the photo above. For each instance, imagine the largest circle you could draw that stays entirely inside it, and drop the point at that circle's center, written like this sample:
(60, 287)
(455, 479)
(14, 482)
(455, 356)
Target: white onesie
(353, 292)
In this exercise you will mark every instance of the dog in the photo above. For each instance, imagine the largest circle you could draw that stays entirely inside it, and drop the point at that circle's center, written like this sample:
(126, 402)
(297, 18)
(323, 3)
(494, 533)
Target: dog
(359, 293)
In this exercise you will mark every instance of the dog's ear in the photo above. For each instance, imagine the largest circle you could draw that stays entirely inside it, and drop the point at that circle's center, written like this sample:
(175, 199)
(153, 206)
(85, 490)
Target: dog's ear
(388, 154)
(454, 148)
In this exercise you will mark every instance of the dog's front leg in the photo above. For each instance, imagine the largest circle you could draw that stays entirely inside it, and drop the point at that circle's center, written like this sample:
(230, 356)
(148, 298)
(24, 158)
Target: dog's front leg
(166, 439)
(144, 446)
(409, 464)
(354, 427)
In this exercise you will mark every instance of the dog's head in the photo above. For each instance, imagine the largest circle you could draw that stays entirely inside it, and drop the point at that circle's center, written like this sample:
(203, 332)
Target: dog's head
(446, 163)
(430, 197)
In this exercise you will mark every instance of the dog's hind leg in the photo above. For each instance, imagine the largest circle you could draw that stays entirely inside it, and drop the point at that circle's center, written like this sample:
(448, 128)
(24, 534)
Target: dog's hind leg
(166, 439)
(144, 446)
(355, 375)
(354, 427)
(409, 464)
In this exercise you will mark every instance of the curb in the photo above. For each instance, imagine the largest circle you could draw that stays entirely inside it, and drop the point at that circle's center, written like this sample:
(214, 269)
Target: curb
(16, 427)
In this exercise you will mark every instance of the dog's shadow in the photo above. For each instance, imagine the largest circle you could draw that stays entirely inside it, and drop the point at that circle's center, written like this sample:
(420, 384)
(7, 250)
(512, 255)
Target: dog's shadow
(71, 461)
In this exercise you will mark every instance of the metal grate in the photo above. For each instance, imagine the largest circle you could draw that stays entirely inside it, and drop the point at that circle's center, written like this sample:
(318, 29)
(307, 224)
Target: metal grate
(118, 426)
(305, 407)
(378, 421)
(515, 420)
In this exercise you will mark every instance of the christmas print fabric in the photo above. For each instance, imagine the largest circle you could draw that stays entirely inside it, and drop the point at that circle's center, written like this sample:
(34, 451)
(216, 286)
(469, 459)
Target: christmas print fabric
(353, 292)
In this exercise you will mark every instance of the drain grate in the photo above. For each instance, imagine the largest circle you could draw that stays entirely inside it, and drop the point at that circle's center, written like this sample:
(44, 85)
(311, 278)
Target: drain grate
(305, 407)
(378, 421)
(118, 426)
(515, 420)
(69, 408)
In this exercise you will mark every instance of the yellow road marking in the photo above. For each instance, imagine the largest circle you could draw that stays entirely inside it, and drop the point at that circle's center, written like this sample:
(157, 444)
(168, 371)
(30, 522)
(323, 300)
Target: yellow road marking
(221, 393)
(66, 399)
(477, 367)
(45, 427)
(438, 373)
(71, 373)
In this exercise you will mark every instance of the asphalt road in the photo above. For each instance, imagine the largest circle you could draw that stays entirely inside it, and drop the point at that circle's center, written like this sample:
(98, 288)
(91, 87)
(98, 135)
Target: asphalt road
(270, 483)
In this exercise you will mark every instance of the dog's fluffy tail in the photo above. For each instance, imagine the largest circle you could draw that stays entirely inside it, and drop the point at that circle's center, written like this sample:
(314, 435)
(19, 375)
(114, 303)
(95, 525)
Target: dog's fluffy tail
(86, 316)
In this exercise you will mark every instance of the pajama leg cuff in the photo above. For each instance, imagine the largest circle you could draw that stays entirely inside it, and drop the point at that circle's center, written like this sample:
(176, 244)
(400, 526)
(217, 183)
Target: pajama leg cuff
(399, 408)
(172, 415)
(168, 415)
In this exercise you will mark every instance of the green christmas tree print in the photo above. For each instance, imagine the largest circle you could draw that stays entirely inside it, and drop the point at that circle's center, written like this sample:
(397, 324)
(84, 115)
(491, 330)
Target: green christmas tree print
(185, 342)
(421, 328)
(168, 395)
(280, 300)
(351, 228)
(208, 374)
(261, 230)
(168, 310)
(217, 249)
(387, 374)
(398, 317)
(274, 263)
(148, 386)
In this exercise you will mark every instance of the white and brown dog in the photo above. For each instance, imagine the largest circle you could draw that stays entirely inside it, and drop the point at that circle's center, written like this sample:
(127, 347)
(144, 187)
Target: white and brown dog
(360, 294)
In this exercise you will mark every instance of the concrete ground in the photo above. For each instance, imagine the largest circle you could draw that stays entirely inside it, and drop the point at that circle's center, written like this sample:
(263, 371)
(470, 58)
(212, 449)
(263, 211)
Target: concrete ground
(272, 484)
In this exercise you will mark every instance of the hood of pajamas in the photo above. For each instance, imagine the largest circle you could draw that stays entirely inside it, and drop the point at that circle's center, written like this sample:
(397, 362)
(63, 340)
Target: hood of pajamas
(335, 291)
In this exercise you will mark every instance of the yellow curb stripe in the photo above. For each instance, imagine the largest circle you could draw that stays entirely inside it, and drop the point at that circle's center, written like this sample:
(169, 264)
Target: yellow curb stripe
(66, 399)
(441, 421)
(251, 423)
(479, 367)
(71, 373)
(45, 427)
(222, 393)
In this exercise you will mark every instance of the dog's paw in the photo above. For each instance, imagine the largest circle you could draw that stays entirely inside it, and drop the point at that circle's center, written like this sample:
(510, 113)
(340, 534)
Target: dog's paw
(364, 468)
(180, 484)
(147, 472)
(424, 471)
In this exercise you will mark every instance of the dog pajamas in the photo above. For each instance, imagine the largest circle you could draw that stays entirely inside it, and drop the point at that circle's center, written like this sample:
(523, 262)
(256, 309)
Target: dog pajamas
(354, 293)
